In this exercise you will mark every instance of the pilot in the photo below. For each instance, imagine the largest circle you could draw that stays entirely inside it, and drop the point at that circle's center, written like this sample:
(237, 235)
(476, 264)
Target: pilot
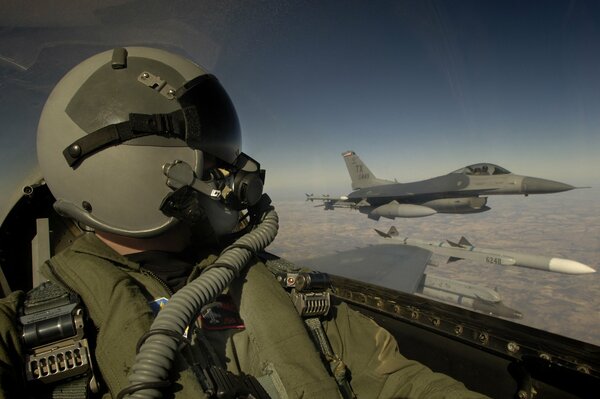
(165, 293)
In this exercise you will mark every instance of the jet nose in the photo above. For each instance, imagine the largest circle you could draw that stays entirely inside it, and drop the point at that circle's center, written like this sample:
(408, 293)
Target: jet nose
(534, 185)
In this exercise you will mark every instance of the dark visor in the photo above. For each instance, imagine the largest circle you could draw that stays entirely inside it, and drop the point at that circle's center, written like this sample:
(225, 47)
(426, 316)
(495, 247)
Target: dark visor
(207, 121)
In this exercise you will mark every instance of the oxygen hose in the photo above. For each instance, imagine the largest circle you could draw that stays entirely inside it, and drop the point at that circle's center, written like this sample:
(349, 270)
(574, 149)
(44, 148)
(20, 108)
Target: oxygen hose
(157, 354)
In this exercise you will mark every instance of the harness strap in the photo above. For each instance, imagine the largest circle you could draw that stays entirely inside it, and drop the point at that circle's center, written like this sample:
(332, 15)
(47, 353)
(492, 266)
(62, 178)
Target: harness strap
(311, 306)
(336, 365)
(57, 359)
(218, 382)
(75, 389)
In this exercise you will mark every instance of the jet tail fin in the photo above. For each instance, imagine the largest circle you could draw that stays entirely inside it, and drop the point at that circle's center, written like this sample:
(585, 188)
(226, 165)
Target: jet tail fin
(360, 174)
(393, 231)
(382, 234)
(464, 242)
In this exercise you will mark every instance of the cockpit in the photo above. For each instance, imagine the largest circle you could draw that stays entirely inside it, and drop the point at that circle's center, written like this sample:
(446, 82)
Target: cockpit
(443, 104)
(482, 169)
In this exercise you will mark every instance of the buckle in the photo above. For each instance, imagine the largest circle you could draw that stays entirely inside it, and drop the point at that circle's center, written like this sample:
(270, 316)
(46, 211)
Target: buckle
(311, 304)
(52, 332)
(310, 293)
(62, 359)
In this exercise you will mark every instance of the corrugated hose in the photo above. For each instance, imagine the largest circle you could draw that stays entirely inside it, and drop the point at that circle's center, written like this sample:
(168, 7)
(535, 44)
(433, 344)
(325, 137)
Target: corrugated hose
(150, 373)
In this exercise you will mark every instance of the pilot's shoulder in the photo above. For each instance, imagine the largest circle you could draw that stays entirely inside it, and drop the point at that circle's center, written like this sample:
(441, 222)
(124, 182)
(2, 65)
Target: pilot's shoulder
(10, 348)
(278, 265)
(9, 306)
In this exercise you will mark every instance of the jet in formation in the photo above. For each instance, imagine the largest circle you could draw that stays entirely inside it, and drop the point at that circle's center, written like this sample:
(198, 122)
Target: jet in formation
(463, 191)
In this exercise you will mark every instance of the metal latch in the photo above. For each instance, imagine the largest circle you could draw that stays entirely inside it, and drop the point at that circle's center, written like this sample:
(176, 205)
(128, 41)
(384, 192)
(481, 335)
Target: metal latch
(156, 83)
(53, 336)
(63, 359)
(311, 304)
(310, 293)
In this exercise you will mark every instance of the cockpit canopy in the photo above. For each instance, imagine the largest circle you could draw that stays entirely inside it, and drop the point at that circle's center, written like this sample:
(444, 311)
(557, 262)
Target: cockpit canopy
(482, 169)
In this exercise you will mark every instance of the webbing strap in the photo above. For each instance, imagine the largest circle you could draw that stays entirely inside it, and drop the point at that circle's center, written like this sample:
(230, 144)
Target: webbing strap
(139, 125)
(336, 365)
(45, 296)
(76, 389)
(218, 382)
(47, 310)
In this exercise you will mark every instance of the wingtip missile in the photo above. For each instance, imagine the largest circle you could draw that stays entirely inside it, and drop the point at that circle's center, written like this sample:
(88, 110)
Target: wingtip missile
(465, 250)
(568, 266)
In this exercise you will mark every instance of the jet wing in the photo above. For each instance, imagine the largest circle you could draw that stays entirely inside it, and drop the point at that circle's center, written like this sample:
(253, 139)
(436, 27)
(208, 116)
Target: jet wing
(386, 265)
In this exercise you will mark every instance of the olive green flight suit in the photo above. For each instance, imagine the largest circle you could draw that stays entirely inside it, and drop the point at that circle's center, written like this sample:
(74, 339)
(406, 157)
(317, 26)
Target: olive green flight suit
(274, 343)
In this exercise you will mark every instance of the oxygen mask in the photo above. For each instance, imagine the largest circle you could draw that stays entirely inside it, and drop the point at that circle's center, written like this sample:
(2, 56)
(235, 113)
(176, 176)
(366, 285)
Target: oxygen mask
(225, 189)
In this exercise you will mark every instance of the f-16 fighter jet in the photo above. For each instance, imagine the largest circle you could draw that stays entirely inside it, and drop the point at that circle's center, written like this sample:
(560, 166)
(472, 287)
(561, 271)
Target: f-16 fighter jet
(463, 191)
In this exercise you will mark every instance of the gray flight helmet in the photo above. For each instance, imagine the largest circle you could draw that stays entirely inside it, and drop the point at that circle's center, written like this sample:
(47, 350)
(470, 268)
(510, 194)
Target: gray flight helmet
(100, 149)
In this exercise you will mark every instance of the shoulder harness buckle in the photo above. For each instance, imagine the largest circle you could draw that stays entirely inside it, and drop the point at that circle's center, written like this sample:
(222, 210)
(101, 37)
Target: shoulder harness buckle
(309, 293)
(52, 322)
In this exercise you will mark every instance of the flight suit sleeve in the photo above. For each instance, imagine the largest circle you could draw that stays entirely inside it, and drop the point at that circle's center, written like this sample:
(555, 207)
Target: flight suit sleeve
(12, 384)
(378, 370)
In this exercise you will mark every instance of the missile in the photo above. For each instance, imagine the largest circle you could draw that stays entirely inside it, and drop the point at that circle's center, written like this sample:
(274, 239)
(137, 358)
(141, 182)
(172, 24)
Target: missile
(491, 308)
(496, 309)
(460, 288)
(465, 250)
(476, 297)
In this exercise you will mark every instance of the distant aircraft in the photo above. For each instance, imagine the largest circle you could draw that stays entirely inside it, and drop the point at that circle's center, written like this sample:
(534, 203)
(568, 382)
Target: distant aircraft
(465, 250)
(463, 191)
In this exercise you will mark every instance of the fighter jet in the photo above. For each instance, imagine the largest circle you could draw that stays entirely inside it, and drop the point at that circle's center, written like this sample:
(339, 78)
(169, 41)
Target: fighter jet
(463, 191)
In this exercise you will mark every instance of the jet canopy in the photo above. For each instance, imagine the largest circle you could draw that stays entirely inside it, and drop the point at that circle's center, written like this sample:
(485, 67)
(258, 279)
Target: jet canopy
(482, 169)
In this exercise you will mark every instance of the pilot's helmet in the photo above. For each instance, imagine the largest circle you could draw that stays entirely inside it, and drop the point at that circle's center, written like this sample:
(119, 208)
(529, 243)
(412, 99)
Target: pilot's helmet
(118, 122)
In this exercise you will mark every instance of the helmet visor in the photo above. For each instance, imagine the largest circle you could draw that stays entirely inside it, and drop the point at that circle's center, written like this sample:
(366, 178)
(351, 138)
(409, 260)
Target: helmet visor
(211, 121)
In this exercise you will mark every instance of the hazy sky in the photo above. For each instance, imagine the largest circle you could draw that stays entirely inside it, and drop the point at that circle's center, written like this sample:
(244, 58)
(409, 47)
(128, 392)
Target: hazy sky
(416, 88)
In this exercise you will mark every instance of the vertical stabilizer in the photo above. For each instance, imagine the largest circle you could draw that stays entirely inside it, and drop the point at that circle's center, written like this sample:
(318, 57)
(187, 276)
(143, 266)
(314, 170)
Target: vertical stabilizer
(360, 174)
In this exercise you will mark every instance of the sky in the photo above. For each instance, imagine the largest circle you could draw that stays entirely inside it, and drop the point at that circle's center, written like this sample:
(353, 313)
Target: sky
(417, 88)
